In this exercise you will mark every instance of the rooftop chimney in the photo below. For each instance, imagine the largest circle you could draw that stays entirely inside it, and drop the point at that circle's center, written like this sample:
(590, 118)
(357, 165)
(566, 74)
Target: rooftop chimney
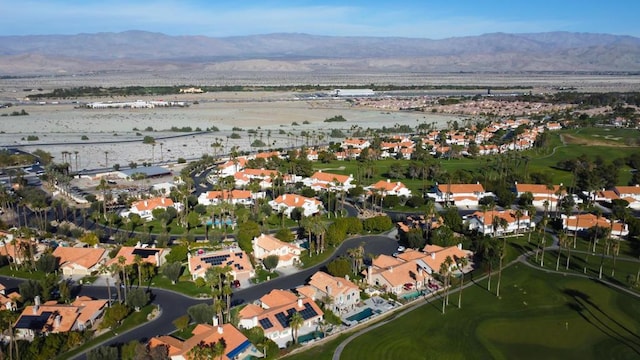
(299, 303)
(329, 290)
(56, 322)
(433, 255)
(215, 320)
(220, 330)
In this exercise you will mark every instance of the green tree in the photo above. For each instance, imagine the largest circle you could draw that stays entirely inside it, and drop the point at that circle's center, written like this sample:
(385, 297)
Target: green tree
(172, 271)
(201, 313)
(181, 323)
(137, 298)
(271, 262)
(339, 267)
(103, 353)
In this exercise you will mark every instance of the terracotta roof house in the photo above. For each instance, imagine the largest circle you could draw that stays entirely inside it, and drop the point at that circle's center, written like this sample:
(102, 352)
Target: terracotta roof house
(351, 143)
(583, 222)
(402, 278)
(288, 202)
(389, 188)
(150, 255)
(145, 208)
(629, 193)
(236, 259)
(234, 197)
(483, 222)
(274, 312)
(327, 181)
(237, 346)
(265, 245)
(11, 246)
(541, 193)
(344, 294)
(232, 166)
(8, 301)
(79, 261)
(52, 317)
(459, 194)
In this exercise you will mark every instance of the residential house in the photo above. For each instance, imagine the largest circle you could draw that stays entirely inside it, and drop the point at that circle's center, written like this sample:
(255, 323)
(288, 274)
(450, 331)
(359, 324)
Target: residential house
(234, 197)
(17, 249)
(397, 276)
(154, 256)
(343, 294)
(52, 317)
(263, 176)
(274, 311)
(237, 346)
(144, 208)
(8, 301)
(459, 194)
(265, 245)
(232, 166)
(287, 202)
(237, 260)
(629, 193)
(351, 143)
(385, 188)
(584, 222)
(483, 222)
(323, 181)
(79, 261)
(542, 193)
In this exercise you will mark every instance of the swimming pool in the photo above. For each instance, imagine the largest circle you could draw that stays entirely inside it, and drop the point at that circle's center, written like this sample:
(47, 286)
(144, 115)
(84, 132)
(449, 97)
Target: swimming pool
(310, 336)
(367, 312)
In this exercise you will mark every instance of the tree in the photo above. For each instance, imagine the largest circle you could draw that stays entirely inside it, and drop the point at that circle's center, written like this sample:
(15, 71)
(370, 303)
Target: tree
(295, 322)
(172, 271)
(47, 263)
(181, 323)
(201, 313)
(29, 290)
(461, 263)
(271, 262)
(114, 315)
(103, 353)
(339, 267)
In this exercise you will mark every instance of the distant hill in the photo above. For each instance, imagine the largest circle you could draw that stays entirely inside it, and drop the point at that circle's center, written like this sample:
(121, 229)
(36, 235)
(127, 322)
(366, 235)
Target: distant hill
(497, 52)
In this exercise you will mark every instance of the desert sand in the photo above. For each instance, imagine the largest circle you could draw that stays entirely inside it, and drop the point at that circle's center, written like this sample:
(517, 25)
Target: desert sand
(60, 127)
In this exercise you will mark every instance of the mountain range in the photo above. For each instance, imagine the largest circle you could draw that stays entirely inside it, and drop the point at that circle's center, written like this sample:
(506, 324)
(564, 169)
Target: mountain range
(292, 52)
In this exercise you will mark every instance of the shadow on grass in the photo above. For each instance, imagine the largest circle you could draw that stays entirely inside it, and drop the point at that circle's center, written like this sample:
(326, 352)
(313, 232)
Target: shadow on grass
(583, 305)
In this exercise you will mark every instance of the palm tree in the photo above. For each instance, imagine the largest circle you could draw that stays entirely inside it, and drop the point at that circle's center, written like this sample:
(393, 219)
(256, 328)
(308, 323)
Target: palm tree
(518, 215)
(295, 322)
(562, 242)
(461, 264)
(503, 249)
(444, 272)
(137, 260)
(121, 263)
(616, 247)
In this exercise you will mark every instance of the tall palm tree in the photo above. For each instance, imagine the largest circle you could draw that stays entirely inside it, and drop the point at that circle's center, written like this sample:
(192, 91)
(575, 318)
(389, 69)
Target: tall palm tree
(461, 263)
(295, 322)
(137, 260)
(123, 268)
(562, 242)
(616, 247)
(518, 215)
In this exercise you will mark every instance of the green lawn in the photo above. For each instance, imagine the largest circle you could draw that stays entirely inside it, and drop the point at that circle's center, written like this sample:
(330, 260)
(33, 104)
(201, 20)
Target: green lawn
(539, 316)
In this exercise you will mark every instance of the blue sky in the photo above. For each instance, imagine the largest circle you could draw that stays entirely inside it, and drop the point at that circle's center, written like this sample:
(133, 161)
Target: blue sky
(424, 19)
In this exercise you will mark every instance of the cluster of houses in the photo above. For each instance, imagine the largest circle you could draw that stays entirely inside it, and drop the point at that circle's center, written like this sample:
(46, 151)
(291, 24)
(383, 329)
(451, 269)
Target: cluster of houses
(138, 104)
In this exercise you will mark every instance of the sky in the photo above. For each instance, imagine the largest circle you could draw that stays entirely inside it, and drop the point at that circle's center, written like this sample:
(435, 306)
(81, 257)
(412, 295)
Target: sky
(417, 19)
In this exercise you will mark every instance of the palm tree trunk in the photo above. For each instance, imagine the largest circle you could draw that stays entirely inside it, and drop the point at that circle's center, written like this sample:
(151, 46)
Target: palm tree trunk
(460, 293)
(499, 278)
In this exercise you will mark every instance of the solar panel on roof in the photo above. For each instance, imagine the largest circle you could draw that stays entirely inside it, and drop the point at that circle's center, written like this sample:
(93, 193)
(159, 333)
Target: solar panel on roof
(308, 312)
(282, 319)
(291, 311)
(144, 253)
(265, 323)
(33, 322)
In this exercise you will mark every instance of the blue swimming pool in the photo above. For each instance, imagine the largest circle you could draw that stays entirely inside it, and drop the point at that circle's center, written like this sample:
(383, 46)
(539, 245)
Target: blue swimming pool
(366, 313)
(310, 336)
